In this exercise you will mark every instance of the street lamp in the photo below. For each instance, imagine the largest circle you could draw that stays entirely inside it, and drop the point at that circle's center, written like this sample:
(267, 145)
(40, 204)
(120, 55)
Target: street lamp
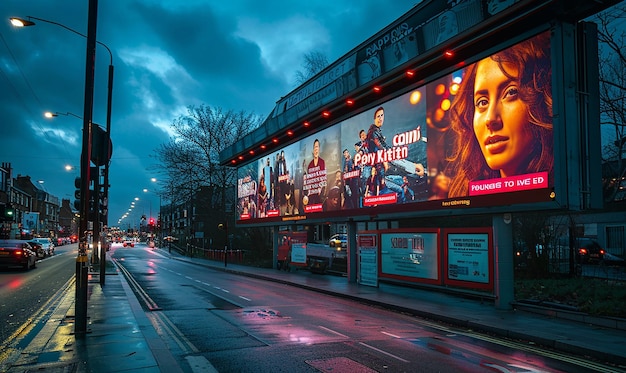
(49, 114)
(20, 22)
(80, 311)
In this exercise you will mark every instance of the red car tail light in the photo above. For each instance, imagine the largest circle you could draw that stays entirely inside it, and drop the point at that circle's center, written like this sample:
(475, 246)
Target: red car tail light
(582, 251)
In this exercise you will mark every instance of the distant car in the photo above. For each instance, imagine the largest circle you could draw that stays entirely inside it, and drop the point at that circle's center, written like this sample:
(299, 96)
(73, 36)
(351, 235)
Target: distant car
(17, 253)
(38, 249)
(338, 240)
(128, 243)
(47, 244)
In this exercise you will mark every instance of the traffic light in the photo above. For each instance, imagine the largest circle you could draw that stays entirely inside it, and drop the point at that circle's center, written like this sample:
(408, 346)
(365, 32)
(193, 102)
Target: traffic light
(103, 205)
(77, 194)
(8, 213)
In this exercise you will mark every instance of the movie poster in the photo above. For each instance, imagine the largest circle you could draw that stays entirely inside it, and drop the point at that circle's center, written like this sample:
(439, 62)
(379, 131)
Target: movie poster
(247, 189)
(384, 154)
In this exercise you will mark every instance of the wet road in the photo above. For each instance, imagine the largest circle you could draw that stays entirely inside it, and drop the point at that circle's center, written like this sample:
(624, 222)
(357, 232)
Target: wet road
(237, 323)
(23, 294)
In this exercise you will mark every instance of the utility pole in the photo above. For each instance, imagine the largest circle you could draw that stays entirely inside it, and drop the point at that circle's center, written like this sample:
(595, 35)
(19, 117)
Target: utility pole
(82, 267)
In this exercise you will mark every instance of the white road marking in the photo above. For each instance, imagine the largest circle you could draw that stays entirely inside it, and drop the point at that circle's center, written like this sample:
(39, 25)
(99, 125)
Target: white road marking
(383, 352)
(334, 332)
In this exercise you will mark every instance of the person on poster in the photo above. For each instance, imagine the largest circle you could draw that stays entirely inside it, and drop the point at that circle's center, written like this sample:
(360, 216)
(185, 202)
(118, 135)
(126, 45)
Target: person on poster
(351, 185)
(372, 186)
(316, 176)
(333, 202)
(263, 197)
(502, 116)
(361, 147)
(268, 174)
(376, 140)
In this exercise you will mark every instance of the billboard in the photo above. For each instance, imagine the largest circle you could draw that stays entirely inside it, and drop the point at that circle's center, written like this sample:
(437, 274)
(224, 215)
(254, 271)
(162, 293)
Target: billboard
(480, 136)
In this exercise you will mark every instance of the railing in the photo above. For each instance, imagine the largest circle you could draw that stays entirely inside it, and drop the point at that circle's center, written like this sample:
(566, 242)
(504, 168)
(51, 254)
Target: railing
(232, 255)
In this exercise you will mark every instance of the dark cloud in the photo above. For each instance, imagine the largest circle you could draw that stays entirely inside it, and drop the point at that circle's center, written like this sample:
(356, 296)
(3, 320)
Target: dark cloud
(167, 54)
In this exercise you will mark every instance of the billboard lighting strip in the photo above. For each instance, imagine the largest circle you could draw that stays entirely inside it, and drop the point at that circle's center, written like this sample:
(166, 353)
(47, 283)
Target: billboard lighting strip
(327, 112)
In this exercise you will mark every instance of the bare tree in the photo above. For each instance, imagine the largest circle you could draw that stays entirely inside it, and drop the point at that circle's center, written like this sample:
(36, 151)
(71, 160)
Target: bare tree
(190, 160)
(612, 65)
(314, 62)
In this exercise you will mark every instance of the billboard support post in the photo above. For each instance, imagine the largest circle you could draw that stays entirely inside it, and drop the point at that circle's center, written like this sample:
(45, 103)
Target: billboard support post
(503, 260)
(352, 252)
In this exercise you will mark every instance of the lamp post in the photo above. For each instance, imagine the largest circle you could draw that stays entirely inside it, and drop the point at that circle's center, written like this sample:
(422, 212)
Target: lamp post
(20, 22)
(160, 217)
(87, 119)
(80, 327)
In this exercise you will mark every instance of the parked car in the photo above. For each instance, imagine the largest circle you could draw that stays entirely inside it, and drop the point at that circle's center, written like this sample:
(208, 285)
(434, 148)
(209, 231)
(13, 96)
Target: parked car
(17, 253)
(47, 244)
(38, 249)
(128, 243)
(338, 240)
(590, 252)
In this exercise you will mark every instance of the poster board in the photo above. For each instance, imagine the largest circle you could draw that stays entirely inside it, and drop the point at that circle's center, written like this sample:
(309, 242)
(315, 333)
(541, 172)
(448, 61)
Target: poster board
(367, 244)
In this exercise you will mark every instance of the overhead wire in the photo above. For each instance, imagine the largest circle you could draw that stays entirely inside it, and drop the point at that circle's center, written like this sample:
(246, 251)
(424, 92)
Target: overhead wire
(23, 102)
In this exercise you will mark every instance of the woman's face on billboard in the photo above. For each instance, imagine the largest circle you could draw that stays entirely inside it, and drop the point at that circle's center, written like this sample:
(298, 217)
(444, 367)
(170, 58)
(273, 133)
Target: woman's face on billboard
(501, 119)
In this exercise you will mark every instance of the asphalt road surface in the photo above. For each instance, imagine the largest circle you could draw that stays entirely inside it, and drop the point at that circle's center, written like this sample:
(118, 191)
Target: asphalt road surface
(239, 324)
(25, 293)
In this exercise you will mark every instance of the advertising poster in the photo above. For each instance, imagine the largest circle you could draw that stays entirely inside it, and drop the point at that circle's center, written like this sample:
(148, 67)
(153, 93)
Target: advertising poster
(367, 245)
(411, 254)
(452, 21)
(247, 190)
(321, 180)
(385, 155)
(498, 131)
(30, 222)
(285, 183)
(467, 139)
(468, 257)
(298, 253)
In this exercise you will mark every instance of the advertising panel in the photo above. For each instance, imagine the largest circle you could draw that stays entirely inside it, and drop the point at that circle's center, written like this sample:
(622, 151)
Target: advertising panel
(30, 222)
(411, 256)
(367, 245)
(478, 137)
(468, 256)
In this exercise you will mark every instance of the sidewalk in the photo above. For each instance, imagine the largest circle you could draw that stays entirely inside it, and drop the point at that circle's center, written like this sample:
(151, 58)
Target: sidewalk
(122, 338)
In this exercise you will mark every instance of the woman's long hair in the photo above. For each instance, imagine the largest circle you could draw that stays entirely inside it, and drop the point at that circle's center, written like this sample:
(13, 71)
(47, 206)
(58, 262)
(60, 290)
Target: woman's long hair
(531, 58)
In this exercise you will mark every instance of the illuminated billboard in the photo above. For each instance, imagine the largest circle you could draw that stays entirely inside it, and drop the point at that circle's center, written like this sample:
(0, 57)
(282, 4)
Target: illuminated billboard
(480, 136)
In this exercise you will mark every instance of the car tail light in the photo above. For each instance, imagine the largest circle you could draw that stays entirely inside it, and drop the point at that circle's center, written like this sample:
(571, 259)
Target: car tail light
(601, 251)
(18, 252)
(582, 251)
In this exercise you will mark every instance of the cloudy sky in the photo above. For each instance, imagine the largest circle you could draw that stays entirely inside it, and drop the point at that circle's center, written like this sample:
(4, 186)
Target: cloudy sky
(168, 55)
